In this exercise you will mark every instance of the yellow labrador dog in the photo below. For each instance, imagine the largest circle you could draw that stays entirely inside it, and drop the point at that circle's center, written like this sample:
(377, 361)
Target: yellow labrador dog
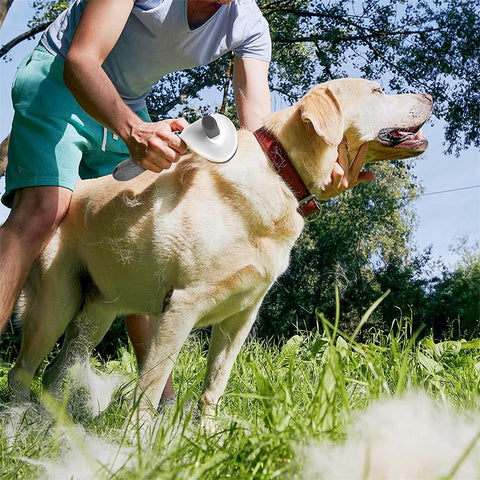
(202, 243)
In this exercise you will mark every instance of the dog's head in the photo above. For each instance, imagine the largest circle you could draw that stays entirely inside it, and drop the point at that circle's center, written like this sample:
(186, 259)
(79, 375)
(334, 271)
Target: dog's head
(355, 111)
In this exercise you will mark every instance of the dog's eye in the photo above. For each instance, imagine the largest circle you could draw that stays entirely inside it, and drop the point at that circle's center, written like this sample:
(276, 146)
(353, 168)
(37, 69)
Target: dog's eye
(377, 90)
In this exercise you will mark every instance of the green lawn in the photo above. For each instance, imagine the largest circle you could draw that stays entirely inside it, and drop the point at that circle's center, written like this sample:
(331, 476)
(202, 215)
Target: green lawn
(293, 411)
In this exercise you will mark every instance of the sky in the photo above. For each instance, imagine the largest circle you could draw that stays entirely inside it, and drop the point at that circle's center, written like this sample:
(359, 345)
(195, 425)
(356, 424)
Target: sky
(443, 218)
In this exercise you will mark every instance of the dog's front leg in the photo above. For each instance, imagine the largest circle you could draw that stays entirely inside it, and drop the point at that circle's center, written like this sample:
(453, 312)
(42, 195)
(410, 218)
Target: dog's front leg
(225, 343)
(170, 333)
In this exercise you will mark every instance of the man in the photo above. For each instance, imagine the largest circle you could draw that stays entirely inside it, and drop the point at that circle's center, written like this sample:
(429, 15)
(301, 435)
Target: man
(79, 102)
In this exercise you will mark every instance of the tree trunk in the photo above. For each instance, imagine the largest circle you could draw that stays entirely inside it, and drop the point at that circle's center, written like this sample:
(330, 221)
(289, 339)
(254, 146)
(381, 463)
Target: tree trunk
(4, 6)
(3, 155)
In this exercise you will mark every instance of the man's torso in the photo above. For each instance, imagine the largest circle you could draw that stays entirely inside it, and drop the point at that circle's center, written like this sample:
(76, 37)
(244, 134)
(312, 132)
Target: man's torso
(157, 40)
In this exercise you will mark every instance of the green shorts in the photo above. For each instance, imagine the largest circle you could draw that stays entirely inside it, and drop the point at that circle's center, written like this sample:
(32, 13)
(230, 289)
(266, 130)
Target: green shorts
(53, 140)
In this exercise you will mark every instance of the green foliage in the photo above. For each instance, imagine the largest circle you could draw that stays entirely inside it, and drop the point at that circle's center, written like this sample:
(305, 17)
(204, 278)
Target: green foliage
(11, 340)
(448, 305)
(455, 298)
(445, 57)
(46, 11)
(360, 243)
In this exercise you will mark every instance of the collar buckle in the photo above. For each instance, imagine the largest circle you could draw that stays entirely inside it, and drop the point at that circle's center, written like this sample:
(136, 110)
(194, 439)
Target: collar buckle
(310, 208)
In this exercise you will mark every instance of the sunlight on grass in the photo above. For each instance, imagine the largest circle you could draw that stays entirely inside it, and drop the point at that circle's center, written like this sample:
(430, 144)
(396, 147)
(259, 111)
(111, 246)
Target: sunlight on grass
(291, 410)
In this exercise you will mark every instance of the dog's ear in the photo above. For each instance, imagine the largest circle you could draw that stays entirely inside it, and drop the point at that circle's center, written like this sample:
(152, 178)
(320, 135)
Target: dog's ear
(320, 107)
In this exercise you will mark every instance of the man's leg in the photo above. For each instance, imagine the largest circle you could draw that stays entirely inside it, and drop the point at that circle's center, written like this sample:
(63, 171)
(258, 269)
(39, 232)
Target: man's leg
(33, 220)
(140, 329)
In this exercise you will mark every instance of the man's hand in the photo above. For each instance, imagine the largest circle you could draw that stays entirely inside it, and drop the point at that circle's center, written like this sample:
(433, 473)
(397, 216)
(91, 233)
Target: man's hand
(345, 176)
(154, 146)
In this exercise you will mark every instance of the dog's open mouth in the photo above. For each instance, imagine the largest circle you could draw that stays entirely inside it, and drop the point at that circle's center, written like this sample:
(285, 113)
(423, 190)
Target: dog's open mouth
(406, 138)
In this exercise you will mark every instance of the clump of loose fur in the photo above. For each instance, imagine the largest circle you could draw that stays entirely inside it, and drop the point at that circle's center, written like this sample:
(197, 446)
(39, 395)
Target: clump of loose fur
(93, 390)
(405, 438)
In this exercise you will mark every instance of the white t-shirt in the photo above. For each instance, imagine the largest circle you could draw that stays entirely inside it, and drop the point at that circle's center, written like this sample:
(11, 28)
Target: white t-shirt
(157, 40)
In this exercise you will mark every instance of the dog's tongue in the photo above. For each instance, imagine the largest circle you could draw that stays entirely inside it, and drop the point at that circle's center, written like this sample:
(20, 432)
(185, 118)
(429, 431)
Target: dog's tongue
(400, 134)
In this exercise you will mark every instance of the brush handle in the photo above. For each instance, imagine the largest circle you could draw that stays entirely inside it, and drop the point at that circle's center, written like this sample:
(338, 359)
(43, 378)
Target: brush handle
(210, 126)
(127, 170)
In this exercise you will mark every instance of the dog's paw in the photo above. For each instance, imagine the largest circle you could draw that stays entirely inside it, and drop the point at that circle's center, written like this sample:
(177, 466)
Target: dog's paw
(165, 405)
(189, 407)
(208, 424)
(17, 391)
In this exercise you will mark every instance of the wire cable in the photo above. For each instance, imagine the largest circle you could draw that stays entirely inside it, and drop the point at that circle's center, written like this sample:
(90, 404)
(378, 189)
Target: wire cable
(448, 191)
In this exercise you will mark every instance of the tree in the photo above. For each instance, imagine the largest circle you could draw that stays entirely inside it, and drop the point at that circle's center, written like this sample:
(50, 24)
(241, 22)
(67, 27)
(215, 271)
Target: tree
(454, 301)
(4, 6)
(361, 244)
(422, 45)
(45, 12)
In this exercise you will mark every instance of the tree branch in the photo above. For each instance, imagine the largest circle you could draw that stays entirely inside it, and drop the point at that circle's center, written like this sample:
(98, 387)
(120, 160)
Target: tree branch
(226, 85)
(350, 38)
(4, 6)
(28, 34)
(395, 67)
(3, 155)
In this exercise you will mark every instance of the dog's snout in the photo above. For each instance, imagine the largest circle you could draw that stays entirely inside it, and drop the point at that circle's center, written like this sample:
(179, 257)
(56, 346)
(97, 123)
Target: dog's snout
(427, 98)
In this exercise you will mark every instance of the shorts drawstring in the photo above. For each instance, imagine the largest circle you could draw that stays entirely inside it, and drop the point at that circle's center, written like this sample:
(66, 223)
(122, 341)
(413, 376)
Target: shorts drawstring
(104, 139)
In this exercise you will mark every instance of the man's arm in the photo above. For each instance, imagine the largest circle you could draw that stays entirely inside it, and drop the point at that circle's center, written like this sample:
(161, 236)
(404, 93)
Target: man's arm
(252, 93)
(153, 145)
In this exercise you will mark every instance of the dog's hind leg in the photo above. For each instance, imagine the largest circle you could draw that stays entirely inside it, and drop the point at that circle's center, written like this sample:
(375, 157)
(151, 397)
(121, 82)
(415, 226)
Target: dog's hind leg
(50, 301)
(83, 334)
(225, 344)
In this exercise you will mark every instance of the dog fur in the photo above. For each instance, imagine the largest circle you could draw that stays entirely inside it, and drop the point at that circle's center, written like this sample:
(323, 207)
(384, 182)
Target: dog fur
(199, 244)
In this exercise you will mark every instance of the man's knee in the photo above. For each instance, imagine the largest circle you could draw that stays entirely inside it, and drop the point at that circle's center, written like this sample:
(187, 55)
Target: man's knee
(38, 211)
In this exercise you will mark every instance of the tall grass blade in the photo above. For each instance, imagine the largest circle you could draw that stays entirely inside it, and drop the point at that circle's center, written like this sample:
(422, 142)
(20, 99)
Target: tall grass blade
(367, 314)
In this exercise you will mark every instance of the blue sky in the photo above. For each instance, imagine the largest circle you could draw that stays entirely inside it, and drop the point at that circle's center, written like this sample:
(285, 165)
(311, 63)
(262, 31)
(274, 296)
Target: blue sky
(442, 217)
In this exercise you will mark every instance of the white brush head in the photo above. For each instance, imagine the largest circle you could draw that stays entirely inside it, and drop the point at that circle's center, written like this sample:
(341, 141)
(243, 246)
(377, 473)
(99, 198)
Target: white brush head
(213, 137)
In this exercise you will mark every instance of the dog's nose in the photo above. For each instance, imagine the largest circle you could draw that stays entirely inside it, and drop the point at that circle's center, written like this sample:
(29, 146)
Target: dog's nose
(426, 98)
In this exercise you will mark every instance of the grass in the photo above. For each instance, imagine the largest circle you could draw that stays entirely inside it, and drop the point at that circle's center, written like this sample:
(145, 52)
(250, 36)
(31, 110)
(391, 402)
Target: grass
(280, 399)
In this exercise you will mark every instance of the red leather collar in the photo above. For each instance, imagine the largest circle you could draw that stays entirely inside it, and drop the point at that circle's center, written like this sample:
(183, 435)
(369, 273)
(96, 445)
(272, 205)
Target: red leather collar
(307, 203)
